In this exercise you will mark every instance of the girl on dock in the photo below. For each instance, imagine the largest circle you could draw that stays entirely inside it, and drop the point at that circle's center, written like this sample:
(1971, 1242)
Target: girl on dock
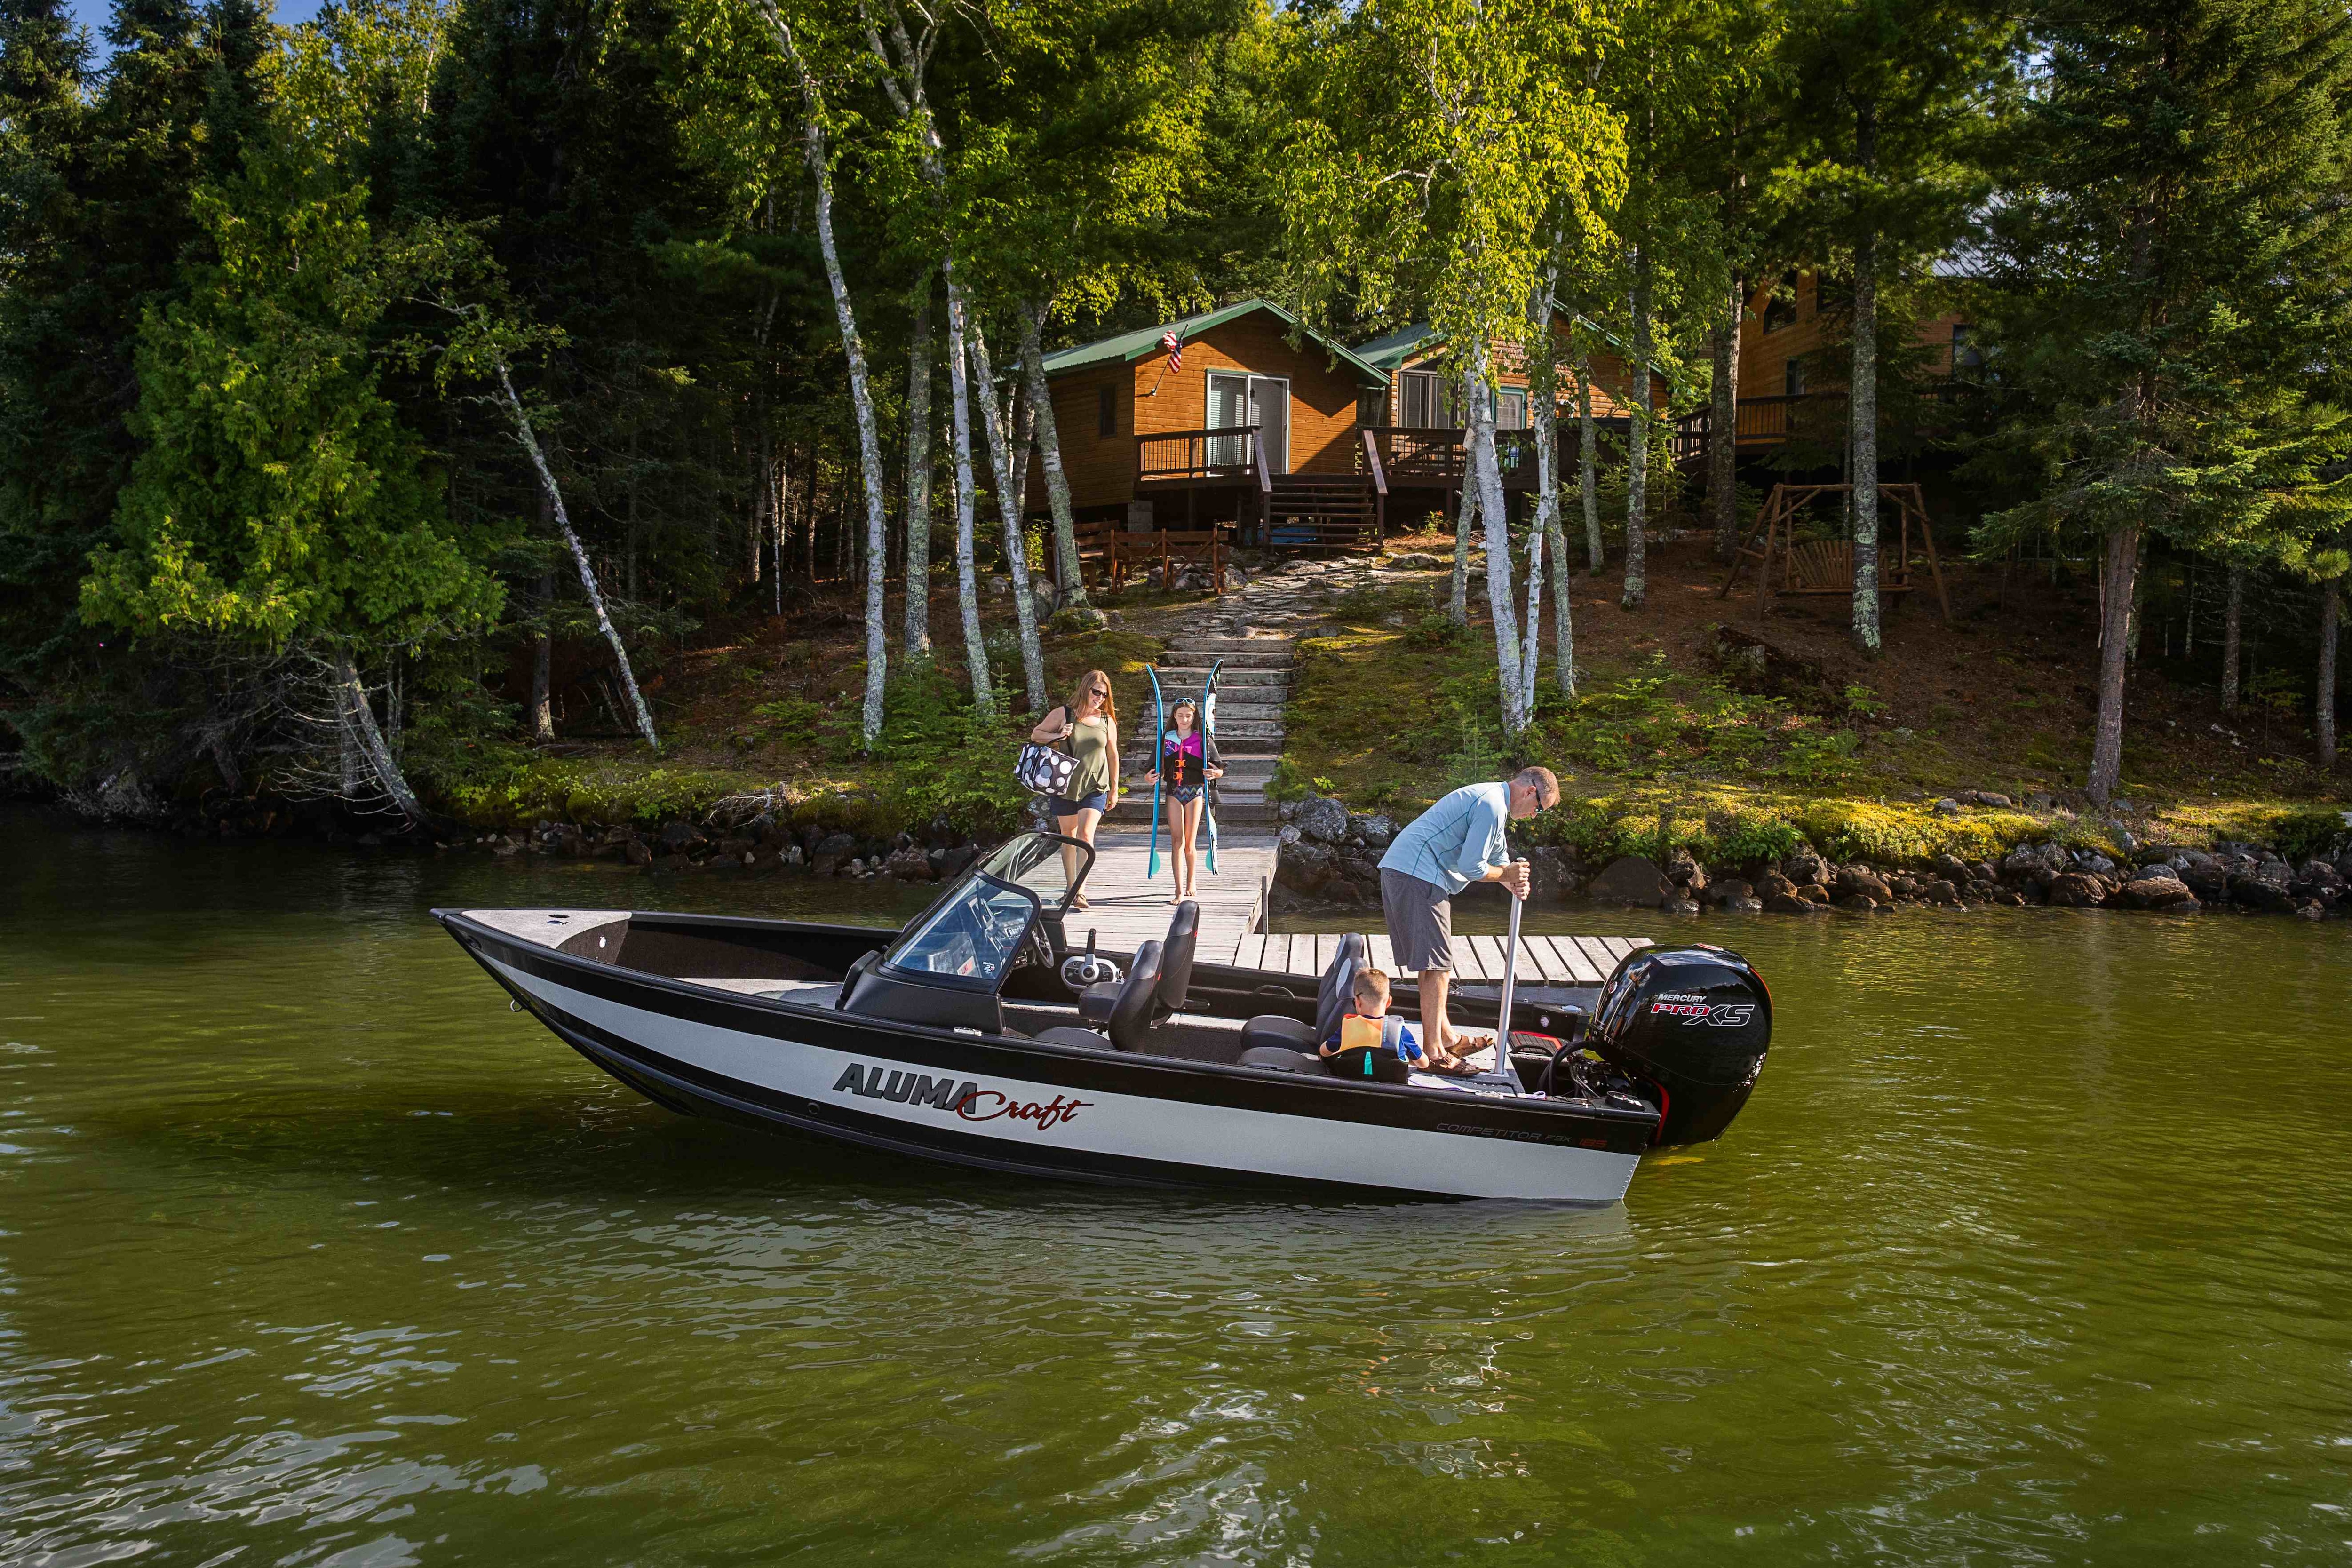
(1188, 761)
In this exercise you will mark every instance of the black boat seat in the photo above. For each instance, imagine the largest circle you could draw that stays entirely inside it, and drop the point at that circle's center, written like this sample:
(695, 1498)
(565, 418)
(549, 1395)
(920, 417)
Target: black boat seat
(1281, 1058)
(1272, 1031)
(1176, 958)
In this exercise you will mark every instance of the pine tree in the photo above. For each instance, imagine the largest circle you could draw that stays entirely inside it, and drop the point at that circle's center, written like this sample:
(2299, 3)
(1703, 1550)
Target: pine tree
(1890, 95)
(2173, 243)
(95, 175)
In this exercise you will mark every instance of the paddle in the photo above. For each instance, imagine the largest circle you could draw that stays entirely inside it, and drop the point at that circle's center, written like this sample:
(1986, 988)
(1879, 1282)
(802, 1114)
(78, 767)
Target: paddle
(1208, 739)
(1510, 983)
(1158, 767)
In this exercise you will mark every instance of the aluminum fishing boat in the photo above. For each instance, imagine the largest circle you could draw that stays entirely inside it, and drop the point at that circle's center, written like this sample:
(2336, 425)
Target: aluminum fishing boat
(979, 1034)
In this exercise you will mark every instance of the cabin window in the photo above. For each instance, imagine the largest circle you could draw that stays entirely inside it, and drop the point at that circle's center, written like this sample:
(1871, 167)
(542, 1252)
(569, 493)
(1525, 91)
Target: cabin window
(1426, 403)
(1372, 409)
(1781, 305)
(1106, 412)
(1966, 355)
(1792, 378)
(1510, 409)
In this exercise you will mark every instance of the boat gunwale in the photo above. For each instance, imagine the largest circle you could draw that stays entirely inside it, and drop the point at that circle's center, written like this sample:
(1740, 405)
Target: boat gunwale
(1610, 1118)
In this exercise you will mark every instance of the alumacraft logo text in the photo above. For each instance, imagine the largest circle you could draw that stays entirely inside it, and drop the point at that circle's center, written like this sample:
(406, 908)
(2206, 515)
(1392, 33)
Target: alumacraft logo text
(968, 1101)
(1695, 1010)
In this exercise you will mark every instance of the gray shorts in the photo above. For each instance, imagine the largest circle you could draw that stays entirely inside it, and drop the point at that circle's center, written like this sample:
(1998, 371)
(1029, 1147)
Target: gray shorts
(1420, 921)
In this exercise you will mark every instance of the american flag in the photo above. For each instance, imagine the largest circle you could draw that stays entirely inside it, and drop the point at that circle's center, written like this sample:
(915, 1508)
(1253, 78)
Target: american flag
(1175, 347)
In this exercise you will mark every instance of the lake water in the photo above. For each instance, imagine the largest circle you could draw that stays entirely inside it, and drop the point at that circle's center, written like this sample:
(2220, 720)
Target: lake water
(2032, 1246)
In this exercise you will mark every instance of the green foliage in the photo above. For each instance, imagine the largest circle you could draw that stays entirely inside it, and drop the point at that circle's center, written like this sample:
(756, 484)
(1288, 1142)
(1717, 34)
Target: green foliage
(279, 498)
(1478, 758)
(1864, 701)
(937, 757)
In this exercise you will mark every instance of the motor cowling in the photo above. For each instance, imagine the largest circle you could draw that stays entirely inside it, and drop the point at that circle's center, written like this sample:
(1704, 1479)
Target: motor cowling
(1693, 1022)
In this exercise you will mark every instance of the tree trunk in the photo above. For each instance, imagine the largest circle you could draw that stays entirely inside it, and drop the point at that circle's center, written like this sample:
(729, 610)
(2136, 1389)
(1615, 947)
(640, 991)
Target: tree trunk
(2330, 614)
(1543, 382)
(1067, 578)
(975, 647)
(543, 663)
(1588, 471)
(1862, 400)
(1457, 608)
(861, 395)
(579, 556)
(1488, 473)
(919, 477)
(2230, 622)
(359, 721)
(347, 738)
(2119, 573)
(1008, 508)
(1637, 460)
(1723, 439)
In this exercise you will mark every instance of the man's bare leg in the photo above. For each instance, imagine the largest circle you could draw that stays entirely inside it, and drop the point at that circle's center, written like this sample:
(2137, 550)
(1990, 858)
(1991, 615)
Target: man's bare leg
(1437, 1036)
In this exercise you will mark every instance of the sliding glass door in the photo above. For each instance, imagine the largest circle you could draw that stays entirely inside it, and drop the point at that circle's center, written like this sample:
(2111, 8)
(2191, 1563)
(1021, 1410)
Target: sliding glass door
(1237, 400)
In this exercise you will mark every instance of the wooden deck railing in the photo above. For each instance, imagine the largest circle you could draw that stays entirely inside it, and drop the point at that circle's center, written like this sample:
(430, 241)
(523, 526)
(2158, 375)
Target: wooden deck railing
(1424, 456)
(1224, 452)
(1769, 421)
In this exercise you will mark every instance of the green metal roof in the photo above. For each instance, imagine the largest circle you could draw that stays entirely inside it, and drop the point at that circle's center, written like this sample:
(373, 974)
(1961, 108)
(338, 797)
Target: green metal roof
(1393, 349)
(1128, 347)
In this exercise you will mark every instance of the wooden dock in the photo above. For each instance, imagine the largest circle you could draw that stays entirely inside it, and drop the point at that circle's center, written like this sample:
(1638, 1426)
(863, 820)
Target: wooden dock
(1128, 910)
(1544, 961)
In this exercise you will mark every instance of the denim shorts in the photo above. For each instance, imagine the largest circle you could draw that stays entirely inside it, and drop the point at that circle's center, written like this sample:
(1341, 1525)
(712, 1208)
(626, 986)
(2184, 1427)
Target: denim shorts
(1061, 805)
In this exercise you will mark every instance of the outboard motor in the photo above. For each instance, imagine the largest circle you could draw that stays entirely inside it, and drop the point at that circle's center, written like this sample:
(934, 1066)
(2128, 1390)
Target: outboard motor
(1695, 1023)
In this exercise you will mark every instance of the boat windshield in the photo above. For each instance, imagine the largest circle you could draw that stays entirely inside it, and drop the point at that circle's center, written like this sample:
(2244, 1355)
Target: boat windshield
(1034, 861)
(972, 934)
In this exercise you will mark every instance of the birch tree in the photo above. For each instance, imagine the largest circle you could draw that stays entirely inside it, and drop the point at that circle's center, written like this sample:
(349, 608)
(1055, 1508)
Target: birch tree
(742, 116)
(1890, 93)
(1435, 146)
(1008, 508)
(919, 475)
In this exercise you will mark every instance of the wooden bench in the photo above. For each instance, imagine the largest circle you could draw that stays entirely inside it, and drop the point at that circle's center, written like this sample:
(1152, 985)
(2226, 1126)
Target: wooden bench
(1098, 542)
(1205, 547)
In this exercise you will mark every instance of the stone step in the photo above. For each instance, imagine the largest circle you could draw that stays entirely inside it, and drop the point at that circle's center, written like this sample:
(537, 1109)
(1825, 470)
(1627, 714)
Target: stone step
(1231, 706)
(1179, 654)
(1233, 676)
(1248, 703)
(1237, 645)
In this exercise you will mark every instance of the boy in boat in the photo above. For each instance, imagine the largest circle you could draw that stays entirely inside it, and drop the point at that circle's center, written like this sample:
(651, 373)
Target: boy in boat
(1371, 1042)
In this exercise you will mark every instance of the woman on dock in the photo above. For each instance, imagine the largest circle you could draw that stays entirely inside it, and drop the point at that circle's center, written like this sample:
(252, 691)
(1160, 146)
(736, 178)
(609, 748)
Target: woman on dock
(1088, 721)
(1188, 761)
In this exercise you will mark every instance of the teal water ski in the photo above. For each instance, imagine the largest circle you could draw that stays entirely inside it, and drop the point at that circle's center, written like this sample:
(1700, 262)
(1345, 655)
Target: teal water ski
(1158, 729)
(1208, 741)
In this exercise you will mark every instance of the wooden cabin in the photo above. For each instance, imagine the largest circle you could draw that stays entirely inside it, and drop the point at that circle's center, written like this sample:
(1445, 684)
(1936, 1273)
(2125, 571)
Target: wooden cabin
(1252, 420)
(1787, 356)
(1415, 422)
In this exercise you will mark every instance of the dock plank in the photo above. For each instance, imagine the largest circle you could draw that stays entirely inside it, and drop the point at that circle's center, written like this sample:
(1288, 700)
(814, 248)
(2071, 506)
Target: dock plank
(1536, 960)
(1382, 951)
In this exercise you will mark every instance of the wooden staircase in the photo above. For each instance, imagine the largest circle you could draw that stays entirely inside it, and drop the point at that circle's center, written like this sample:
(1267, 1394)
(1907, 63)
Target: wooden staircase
(1322, 512)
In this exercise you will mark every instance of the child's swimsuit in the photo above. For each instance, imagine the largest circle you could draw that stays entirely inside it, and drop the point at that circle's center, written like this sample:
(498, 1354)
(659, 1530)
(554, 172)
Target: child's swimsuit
(1182, 767)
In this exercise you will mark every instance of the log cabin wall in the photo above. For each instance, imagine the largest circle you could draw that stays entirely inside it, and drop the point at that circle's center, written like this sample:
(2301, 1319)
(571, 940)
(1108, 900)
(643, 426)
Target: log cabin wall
(1613, 381)
(1787, 324)
(1100, 467)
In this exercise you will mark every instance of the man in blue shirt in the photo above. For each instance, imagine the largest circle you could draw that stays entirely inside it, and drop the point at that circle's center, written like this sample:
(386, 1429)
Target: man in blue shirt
(1458, 841)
